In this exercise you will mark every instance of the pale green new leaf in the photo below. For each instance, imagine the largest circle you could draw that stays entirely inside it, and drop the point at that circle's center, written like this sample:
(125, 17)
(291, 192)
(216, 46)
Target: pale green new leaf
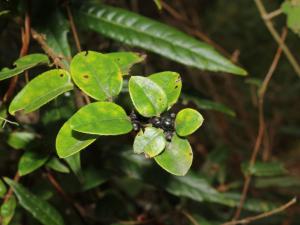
(69, 142)
(187, 121)
(30, 161)
(45, 213)
(101, 118)
(292, 10)
(41, 90)
(23, 64)
(177, 158)
(57, 165)
(151, 142)
(136, 30)
(148, 98)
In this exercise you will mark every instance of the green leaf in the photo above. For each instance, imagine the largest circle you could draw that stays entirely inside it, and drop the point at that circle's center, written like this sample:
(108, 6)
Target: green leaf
(101, 118)
(41, 90)
(292, 10)
(30, 161)
(151, 142)
(4, 12)
(19, 140)
(208, 105)
(7, 210)
(158, 4)
(39, 208)
(74, 161)
(177, 157)
(187, 121)
(3, 189)
(96, 74)
(69, 142)
(136, 30)
(125, 60)
(57, 165)
(23, 64)
(92, 177)
(56, 36)
(263, 169)
(148, 98)
(170, 82)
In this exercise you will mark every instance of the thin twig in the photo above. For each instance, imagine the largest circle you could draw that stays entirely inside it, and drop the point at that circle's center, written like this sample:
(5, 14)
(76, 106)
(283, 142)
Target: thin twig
(10, 190)
(261, 123)
(273, 14)
(190, 217)
(263, 215)
(261, 8)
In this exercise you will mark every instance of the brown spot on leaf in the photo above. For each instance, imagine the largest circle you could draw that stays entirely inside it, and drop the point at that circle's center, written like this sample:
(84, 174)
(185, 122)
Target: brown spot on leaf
(176, 86)
(86, 76)
(86, 53)
(61, 75)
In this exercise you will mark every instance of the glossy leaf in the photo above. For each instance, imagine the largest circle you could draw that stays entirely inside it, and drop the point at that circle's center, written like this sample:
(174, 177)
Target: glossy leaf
(19, 140)
(39, 208)
(101, 118)
(30, 161)
(24, 63)
(56, 36)
(57, 165)
(148, 98)
(292, 10)
(7, 210)
(177, 157)
(96, 74)
(170, 82)
(151, 142)
(69, 142)
(125, 60)
(187, 121)
(139, 31)
(208, 104)
(262, 169)
(3, 188)
(41, 90)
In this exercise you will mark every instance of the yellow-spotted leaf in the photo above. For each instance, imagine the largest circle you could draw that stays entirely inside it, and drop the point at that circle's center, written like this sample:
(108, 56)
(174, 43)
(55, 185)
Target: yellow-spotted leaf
(177, 157)
(96, 74)
(101, 118)
(125, 60)
(23, 64)
(170, 82)
(188, 121)
(148, 98)
(41, 90)
(151, 142)
(69, 142)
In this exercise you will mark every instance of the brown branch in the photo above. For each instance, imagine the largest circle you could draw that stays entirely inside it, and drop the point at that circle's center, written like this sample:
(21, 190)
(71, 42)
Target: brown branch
(10, 190)
(190, 217)
(263, 215)
(261, 122)
(263, 13)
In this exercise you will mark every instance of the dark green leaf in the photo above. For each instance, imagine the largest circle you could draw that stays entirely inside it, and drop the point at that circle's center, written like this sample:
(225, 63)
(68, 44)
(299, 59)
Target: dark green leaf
(7, 210)
(41, 90)
(136, 30)
(93, 177)
(3, 188)
(69, 142)
(23, 64)
(57, 165)
(187, 122)
(148, 98)
(151, 142)
(74, 162)
(39, 208)
(101, 118)
(96, 74)
(19, 140)
(170, 82)
(125, 60)
(177, 158)
(264, 169)
(30, 161)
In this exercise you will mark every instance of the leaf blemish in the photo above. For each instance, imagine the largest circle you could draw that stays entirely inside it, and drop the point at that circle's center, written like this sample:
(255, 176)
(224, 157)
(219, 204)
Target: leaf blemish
(61, 75)
(86, 76)
(176, 86)
(86, 53)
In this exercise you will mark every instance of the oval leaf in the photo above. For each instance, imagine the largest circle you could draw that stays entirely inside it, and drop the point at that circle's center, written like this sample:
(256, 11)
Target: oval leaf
(125, 60)
(57, 165)
(39, 208)
(148, 98)
(177, 157)
(41, 90)
(23, 64)
(96, 74)
(30, 161)
(151, 142)
(170, 82)
(187, 122)
(101, 118)
(3, 189)
(69, 142)
(7, 210)
(136, 30)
